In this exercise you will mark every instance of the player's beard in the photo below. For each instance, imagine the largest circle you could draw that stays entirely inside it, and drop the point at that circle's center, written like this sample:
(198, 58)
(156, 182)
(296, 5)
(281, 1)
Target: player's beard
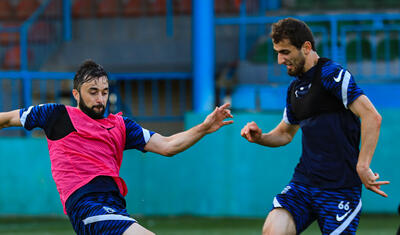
(90, 111)
(298, 65)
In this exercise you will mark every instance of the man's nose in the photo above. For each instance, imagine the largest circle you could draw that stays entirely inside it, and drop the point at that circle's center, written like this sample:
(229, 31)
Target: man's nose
(281, 59)
(100, 99)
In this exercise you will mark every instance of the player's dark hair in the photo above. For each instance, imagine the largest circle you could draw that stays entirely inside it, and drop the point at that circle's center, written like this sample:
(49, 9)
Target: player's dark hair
(293, 29)
(88, 71)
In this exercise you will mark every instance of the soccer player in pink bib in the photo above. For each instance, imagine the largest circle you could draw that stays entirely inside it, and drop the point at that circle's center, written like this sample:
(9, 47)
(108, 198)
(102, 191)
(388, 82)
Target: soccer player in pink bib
(86, 150)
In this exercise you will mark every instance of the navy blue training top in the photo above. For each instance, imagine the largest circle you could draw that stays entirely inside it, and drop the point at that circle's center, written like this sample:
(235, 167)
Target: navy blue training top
(330, 140)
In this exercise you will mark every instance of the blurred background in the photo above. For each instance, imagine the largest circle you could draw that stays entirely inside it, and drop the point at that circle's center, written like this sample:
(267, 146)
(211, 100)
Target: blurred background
(170, 62)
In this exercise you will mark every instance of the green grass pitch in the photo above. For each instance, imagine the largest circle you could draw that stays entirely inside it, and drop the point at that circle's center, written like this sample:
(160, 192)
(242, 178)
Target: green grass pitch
(186, 225)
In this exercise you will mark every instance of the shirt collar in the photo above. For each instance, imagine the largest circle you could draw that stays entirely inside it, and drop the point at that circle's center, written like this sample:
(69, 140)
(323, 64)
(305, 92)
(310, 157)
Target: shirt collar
(309, 75)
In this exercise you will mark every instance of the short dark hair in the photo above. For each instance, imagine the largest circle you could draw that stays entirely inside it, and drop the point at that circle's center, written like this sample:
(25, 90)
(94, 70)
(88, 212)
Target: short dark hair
(293, 29)
(88, 71)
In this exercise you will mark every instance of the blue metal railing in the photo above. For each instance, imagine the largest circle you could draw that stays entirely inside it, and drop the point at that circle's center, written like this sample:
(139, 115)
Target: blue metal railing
(148, 96)
(30, 87)
(374, 73)
(56, 87)
(36, 38)
(160, 88)
(334, 32)
(67, 20)
(333, 20)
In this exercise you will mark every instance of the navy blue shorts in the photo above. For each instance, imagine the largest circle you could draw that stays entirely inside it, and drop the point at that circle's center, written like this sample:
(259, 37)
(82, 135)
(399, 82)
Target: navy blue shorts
(337, 211)
(100, 213)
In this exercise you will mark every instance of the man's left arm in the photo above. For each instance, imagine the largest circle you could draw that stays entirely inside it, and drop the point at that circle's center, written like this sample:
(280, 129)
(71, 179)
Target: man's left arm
(171, 145)
(370, 127)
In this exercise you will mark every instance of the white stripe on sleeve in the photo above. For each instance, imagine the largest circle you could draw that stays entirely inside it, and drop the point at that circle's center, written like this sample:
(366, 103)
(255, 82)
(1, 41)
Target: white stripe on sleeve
(345, 86)
(146, 135)
(285, 119)
(24, 115)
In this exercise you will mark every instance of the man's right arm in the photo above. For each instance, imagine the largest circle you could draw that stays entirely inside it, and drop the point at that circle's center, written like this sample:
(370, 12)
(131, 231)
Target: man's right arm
(31, 117)
(10, 119)
(279, 136)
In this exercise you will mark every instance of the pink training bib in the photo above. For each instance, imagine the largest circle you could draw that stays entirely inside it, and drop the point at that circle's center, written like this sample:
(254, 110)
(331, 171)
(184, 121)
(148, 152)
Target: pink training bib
(94, 149)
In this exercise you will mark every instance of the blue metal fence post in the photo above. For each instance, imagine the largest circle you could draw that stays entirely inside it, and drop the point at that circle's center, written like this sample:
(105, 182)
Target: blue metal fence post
(334, 39)
(170, 19)
(27, 88)
(67, 20)
(24, 47)
(27, 93)
(26, 79)
(203, 45)
(242, 31)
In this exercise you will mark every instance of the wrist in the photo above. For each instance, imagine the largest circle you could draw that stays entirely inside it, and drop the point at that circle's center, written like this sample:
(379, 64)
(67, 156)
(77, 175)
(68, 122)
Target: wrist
(257, 141)
(202, 128)
(361, 166)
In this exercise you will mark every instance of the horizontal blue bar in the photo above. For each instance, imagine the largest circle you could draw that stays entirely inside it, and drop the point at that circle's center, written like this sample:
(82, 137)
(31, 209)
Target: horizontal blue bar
(319, 29)
(36, 75)
(158, 118)
(360, 28)
(158, 76)
(309, 18)
(119, 76)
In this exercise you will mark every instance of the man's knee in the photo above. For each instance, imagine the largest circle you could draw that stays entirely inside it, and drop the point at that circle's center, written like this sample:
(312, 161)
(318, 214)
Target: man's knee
(270, 228)
(279, 221)
(137, 229)
(267, 230)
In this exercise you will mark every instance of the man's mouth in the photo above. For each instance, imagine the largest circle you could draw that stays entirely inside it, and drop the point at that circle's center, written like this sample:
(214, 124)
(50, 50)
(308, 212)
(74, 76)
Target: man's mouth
(98, 108)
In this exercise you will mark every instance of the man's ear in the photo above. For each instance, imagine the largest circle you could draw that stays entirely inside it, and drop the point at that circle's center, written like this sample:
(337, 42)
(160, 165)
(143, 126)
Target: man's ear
(307, 47)
(75, 93)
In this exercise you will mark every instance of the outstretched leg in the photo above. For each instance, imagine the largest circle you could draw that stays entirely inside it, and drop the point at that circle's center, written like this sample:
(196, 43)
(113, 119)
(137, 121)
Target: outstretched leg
(137, 229)
(279, 222)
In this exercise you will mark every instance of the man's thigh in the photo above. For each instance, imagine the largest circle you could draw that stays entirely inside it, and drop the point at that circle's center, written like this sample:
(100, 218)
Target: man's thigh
(137, 229)
(279, 222)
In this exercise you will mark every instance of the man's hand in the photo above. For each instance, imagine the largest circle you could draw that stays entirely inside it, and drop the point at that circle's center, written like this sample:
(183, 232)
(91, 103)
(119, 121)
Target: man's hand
(216, 119)
(369, 179)
(174, 144)
(251, 132)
